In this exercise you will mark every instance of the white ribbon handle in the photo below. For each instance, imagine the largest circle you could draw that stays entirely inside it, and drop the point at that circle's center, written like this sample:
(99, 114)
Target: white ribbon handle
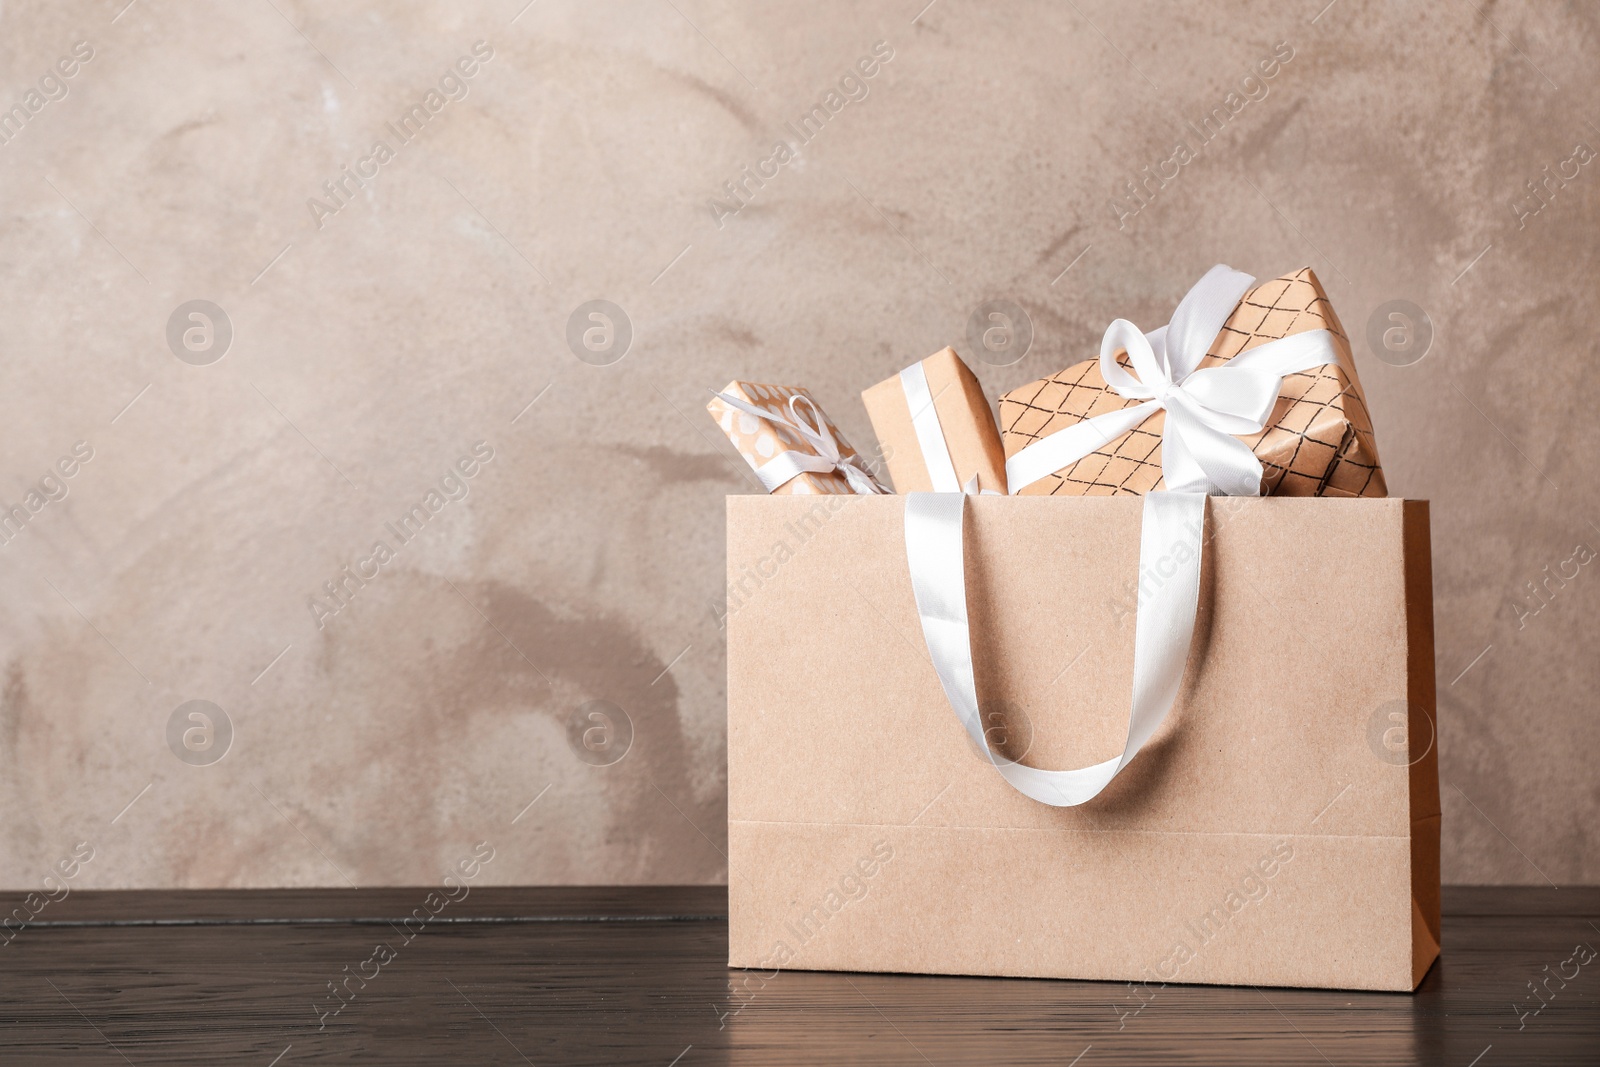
(779, 470)
(1207, 410)
(1163, 628)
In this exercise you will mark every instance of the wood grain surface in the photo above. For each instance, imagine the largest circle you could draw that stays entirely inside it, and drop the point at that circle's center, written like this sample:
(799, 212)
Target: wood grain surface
(615, 975)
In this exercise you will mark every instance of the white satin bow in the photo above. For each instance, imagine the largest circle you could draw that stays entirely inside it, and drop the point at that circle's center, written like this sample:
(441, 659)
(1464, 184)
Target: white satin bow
(1207, 410)
(787, 465)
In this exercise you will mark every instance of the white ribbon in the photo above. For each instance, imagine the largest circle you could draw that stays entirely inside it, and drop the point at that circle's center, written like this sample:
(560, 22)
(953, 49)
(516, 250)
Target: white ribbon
(1163, 628)
(1207, 410)
(827, 458)
(1200, 454)
(930, 435)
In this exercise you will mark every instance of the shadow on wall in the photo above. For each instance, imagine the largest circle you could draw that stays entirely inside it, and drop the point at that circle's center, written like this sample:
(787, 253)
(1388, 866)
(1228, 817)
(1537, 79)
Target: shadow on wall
(433, 714)
(428, 731)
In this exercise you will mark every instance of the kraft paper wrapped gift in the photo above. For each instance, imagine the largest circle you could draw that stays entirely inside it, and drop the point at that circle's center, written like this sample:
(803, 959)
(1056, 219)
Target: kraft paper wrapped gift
(1318, 441)
(935, 428)
(1281, 827)
(768, 431)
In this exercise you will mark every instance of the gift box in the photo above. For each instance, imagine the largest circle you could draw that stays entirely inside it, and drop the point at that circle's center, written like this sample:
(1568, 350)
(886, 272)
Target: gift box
(1281, 826)
(787, 439)
(935, 428)
(1318, 440)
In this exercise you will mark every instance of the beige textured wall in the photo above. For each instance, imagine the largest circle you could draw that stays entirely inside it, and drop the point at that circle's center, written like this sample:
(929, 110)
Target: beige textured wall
(373, 346)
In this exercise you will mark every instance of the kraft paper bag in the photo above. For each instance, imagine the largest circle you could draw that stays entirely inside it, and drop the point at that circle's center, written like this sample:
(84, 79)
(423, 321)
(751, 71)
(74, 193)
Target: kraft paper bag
(1281, 828)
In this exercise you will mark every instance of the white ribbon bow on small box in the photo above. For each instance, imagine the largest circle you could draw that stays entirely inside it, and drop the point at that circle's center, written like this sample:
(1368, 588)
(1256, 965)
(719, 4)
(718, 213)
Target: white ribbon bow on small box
(827, 458)
(1200, 455)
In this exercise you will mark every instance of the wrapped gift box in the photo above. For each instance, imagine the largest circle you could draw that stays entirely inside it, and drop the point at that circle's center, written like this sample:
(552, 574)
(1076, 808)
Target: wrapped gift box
(761, 439)
(931, 417)
(1318, 441)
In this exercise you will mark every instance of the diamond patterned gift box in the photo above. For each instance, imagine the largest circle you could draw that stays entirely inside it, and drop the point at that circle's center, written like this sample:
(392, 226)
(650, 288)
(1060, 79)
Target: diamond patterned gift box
(1318, 441)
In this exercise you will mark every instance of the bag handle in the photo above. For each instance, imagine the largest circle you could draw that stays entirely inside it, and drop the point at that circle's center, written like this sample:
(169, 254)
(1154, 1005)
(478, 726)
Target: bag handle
(1171, 530)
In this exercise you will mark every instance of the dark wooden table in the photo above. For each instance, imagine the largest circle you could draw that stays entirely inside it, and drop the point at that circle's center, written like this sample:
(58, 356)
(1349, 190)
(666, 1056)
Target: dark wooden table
(638, 976)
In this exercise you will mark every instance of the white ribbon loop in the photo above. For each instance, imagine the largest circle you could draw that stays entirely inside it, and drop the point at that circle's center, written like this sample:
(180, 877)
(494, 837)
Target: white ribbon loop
(1163, 628)
(1200, 315)
(1207, 410)
(1123, 335)
(779, 470)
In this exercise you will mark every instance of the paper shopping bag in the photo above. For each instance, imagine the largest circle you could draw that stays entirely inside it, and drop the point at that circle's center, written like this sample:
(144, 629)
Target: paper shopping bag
(1282, 827)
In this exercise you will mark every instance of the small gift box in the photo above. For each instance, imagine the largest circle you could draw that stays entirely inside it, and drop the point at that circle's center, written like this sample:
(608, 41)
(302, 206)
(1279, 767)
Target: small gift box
(935, 428)
(1317, 440)
(789, 442)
